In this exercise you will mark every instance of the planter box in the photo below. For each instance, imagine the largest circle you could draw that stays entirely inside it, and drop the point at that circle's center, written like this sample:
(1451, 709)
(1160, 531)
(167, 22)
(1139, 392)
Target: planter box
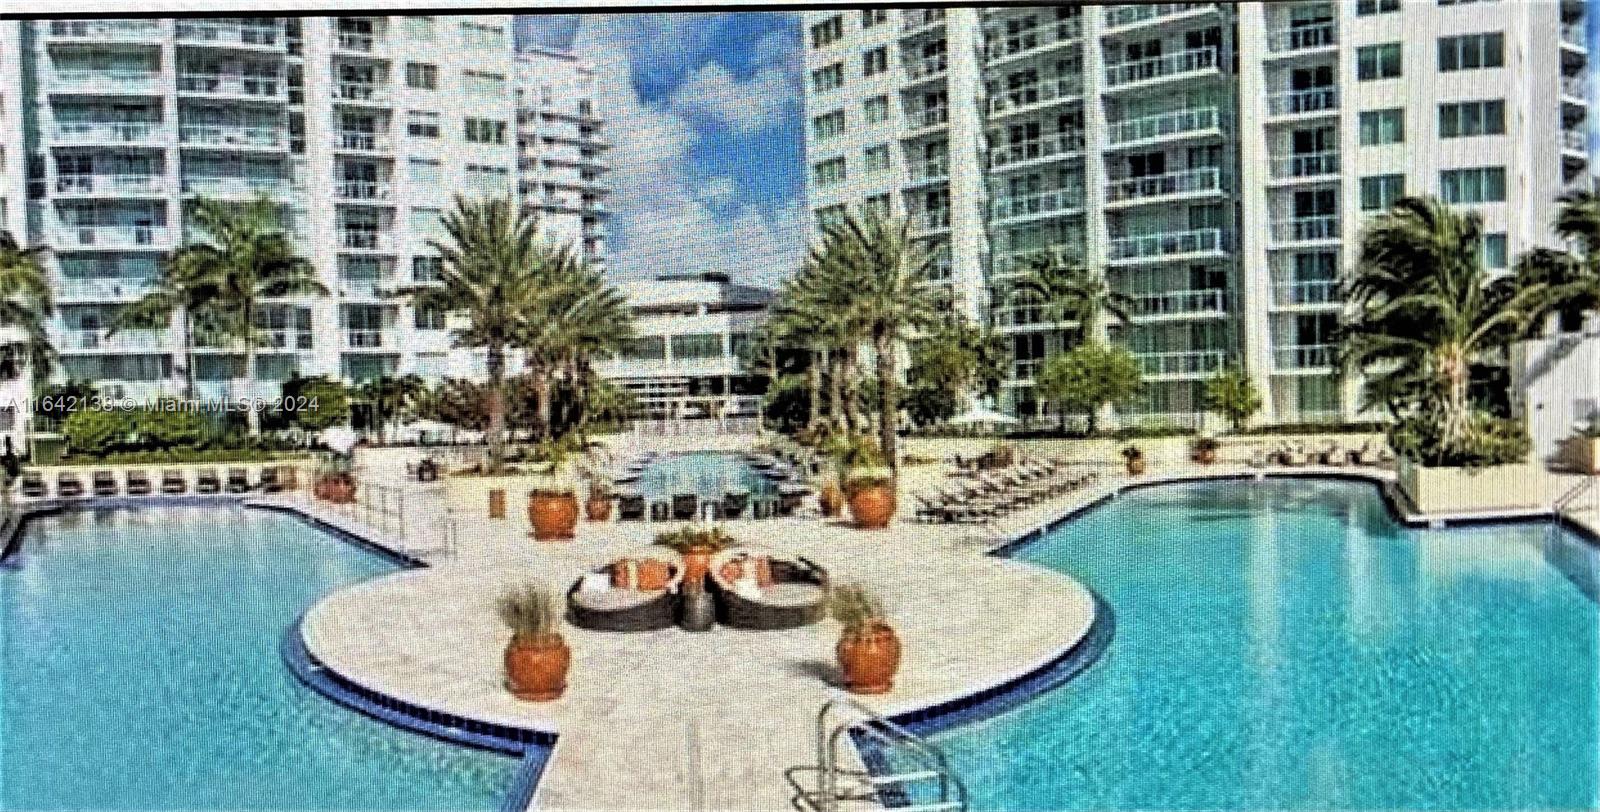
(1469, 490)
(468, 497)
(1585, 454)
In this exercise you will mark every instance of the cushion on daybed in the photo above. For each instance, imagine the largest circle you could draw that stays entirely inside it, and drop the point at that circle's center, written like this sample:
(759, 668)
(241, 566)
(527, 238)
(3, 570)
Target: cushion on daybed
(645, 574)
(612, 599)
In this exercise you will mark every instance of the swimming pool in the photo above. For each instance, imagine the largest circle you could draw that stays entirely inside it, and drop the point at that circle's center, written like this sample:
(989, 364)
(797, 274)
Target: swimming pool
(706, 474)
(1286, 645)
(140, 669)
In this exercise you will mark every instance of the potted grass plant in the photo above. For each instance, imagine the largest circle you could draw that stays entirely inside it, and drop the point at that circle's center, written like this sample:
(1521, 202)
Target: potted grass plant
(1133, 457)
(868, 648)
(868, 485)
(1204, 450)
(697, 545)
(553, 499)
(537, 657)
(597, 508)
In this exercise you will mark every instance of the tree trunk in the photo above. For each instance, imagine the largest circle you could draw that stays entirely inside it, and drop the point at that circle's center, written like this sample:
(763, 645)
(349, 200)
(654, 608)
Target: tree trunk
(188, 352)
(252, 415)
(836, 390)
(1454, 367)
(542, 390)
(496, 367)
(814, 387)
(888, 420)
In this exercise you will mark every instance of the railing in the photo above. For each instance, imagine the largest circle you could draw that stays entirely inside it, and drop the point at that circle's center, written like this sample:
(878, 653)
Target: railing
(1573, 34)
(122, 340)
(697, 427)
(1161, 125)
(361, 92)
(361, 142)
(1003, 47)
(1184, 362)
(354, 41)
(373, 287)
(1576, 87)
(231, 33)
(1049, 146)
(929, 764)
(925, 171)
(928, 117)
(1570, 502)
(418, 527)
(1306, 229)
(362, 190)
(1020, 315)
(232, 135)
(1305, 356)
(1187, 181)
(1307, 100)
(912, 19)
(1161, 67)
(109, 80)
(1052, 201)
(1302, 38)
(930, 220)
(1306, 292)
(1575, 140)
(1133, 14)
(89, 132)
(1306, 165)
(1049, 90)
(261, 87)
(926, 66)
(1026, 370)
(102, 289)
(108, 184)
(113, 236)
(1195, 241)
(1180, 303)
(236, 186)
(361, 239)
(106, 29)
(364, 339)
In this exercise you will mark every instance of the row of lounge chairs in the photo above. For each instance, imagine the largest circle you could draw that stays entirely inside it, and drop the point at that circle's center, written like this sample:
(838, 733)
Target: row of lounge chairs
(991, 495)
(1332, 453)
(137, 482)
(683, 507)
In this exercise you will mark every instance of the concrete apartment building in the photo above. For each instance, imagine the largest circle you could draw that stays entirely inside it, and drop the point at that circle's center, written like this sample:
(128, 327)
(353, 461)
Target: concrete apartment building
(364, 128)
(1214, 160)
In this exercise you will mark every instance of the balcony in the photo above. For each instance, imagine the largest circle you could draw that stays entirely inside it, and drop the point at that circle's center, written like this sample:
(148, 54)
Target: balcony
(106, 30)
(1575, 142)
(355, 42)
(926, 67)
(361, 93)
(1575, 88)
(367, 287)
(362, 190)
(365, 240)
(1063, 88)
(1022, 315)
(927, 118)
(108, 82)
(350, 141)
(232, 135)
(1306, 165)
(1005, 48)
(112, 289)
(1317, 357)
(1050, 147)
(1026, 371)
(1161, 68)
(1174, 124)
(107, 132)
(1149, 188)
(105, 185)
(231, 85)
(934, 171)
(1181, 364)
(1303, 102)
(1572, 36)
(1039, 204)
(912, 20)
(211, 32)
(1131, 15)
(1165, 245)
(234, 186)
(1306, 293)
(368, 339)
(143, 237)
(1180, 304)
(81, 339)
(1318, 228)
(923, 222)
(1303, 38)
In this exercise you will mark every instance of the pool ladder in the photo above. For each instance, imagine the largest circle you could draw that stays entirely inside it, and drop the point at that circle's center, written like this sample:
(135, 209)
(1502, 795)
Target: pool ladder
(835, 786)
(1568, 500)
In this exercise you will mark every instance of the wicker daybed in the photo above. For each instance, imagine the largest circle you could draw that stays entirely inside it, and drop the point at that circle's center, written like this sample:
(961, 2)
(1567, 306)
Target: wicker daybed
(626, 609)
(797, 596)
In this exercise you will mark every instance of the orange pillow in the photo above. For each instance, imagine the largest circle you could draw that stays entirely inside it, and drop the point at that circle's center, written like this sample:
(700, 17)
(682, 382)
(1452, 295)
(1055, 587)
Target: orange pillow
(653, 575)
(730, 571)
(763, 567)
(622, 574)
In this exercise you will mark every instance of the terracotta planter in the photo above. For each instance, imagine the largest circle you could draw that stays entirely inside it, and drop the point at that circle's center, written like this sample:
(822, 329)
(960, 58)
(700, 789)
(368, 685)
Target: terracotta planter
(598, 508)
(536, 671)
(872, 506)
(1205, 456)
(869, 659)
(696, 563)
(830, 499)
(553, 515)
(497, 503)
(1135, 466)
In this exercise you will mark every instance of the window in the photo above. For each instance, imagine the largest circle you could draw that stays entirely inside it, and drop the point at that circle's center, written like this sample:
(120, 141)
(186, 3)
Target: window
(426, 269)
(424, 172)
(875, 61)
(477, 35)
(1383, 127)
(485, 131)
(425, 222)
(1472, 51)
(827, 125)
(646, 348)
(830, 215)
(1483, 184)
(827, 32)
(873, 16)
(1494, 251)
(829, 172)
(878, 205)
(428, 318)
(1381, 191)
(697, 345)
(1462, 119)
(876, 158)
(876, 109)
(827, 78)
(488, 85)
(422, 76)
(488, 180)
(1378, 62)
(1367, 8)
(421, 123)
(419, 28)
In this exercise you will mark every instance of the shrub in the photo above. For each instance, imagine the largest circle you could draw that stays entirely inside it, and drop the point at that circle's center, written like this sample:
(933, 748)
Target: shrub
(165, 429)
(96, 432)
(687, 536)
(1232, 394)
(856, 608)
(1489, 440)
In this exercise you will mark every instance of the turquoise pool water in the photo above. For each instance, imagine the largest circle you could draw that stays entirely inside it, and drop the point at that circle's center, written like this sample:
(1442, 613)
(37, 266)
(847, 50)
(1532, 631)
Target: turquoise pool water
(708, 475)
(139, 669)
(1285, 645)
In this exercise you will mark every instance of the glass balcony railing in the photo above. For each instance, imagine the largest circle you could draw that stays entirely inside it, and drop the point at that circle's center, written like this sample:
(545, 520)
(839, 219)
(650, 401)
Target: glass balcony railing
(1306, 165)
(355, 41)
(1161, 67)
(102, 290)
(371, 287)
(106, 132)
(1308, 100)
(929, 117)
(232, 135)
(1181, 363)
(231, 85)
(1180, 303)
(1021, 315)
(113, 236)
(1051, 89)
(1165, 244)
(1304, 356)
(1306, 229)
(1004, 46)
(1053, 201)
(1122, 16)
(365, 92)
(110, 184)
(1306, 292)
(1055, 145)
(110, 81)
(366, 339)
(925, 171)
(934, 220)
(1575, 141)
(211, 31)
(1188, 181)
(1573, 34)
(913, 19)
(362, 190)
(107, 30)
(361, 142)
(1026, 371)
(1303, 38)
(1575, 87)
(365, 240)
(82, 339)
(1162, 125)
(233, 186)
(926, 66)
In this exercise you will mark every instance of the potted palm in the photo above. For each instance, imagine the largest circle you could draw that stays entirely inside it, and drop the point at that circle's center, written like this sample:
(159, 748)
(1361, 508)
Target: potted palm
(536, 658)
(335, 482)
(696, 545)
(1204, 450)
(868, 485)
(553, 500)
(598, 506)
(1133, 456)
(868, 648)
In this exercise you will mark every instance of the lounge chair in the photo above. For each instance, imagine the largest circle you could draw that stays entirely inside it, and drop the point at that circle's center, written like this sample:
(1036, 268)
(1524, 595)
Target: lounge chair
(104, 483)
(68, 486)
(33, 486)
(1259, 457)
(762, 507)
(796, 597)
(288, 477)
(685, 507)
(138, 483)
(660, 511)
(734, 504)
(238, 480)
(625, 609)
(630, 507)
(1295, 456)
(173, 482)
(267, 481)
(789, 503)
(207, 481)
(1333, 454)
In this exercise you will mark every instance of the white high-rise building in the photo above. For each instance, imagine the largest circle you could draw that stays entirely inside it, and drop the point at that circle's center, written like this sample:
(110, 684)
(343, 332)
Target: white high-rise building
(363, 128)
(561, 151)
(1214, 160)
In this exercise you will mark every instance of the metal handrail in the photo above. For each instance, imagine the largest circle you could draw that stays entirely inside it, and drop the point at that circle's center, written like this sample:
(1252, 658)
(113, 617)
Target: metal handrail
(1573, 494)
(874, 725)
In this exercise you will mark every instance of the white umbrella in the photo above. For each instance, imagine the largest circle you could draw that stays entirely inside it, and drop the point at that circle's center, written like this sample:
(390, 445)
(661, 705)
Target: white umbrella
(428, 427)
(982, 415)
(340, 438)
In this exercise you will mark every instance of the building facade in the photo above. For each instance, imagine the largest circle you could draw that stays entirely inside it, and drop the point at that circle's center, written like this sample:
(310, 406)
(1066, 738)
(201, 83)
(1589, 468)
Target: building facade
(362, 129)
(1214, 160)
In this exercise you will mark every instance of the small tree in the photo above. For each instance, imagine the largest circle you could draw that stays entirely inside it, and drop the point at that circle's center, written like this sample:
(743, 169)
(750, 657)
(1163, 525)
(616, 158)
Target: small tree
(318, 403)
(1088, 377)
(1232, 394)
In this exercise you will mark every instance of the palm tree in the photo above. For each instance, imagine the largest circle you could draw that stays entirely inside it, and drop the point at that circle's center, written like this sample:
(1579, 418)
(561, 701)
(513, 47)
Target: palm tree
(183, 287)
(1423, 312)
(581, 318)
(25, 303)
(1573, 277)
(390, 397)
(1072, 292)
(811, 316)
(489, 279)
(247, 260)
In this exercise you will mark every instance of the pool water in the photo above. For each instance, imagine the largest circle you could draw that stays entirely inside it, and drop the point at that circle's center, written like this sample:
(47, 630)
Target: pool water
(1286, 645)
(140, 669)
(708, 475)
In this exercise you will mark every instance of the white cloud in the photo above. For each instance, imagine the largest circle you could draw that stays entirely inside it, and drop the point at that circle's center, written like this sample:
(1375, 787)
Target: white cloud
(747, 106)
